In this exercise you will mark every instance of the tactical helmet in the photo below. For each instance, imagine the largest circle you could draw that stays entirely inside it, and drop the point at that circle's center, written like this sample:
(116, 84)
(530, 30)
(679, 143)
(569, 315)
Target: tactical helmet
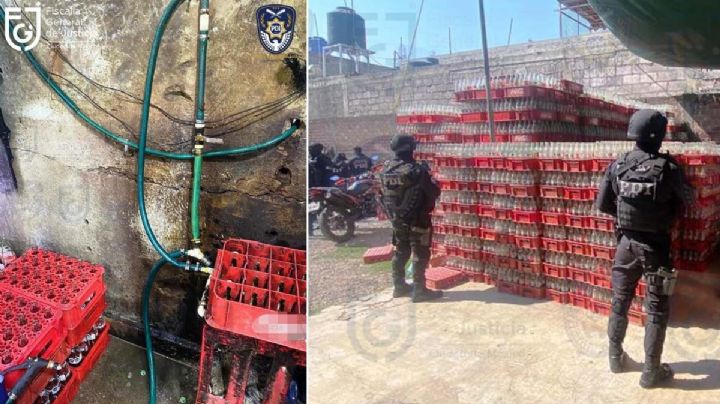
(315, 149)
(402, 143)
(647, 126)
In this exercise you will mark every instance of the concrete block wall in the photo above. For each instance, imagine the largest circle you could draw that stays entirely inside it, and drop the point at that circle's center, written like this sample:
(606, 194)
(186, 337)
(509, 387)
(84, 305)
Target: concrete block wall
(597, 60)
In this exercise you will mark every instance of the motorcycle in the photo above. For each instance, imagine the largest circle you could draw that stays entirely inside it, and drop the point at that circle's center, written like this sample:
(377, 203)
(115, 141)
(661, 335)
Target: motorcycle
(338, 208)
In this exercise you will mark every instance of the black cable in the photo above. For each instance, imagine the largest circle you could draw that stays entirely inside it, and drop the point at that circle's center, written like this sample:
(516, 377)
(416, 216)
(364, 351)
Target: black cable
(94, 103)
(259, 118)
(238, 128)
(265, 106)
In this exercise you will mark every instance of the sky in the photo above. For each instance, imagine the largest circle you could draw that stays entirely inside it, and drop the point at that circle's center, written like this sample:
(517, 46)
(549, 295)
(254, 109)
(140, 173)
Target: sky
(386, 21)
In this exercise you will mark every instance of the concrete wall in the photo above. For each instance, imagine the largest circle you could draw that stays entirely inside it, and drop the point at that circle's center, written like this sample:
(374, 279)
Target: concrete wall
(77, 189)
(597, 60)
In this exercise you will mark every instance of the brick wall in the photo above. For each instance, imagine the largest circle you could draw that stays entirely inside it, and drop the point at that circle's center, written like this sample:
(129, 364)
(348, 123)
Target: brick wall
(597, 60)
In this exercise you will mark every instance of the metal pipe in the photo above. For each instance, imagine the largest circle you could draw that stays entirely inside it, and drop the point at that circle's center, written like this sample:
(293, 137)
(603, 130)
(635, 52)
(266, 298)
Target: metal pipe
(486, 63)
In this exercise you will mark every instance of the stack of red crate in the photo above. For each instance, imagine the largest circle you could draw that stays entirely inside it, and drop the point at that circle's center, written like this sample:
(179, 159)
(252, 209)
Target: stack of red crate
(257, 306)
(70, 291)
(521, 217)
(491, 226)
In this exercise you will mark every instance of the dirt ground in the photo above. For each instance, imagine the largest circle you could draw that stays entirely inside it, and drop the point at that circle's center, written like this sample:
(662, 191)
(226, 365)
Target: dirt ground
(480, 346)
(338, 273)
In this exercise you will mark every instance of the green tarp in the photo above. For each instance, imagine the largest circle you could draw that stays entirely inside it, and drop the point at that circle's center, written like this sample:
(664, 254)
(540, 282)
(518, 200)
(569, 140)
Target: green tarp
(669, 32)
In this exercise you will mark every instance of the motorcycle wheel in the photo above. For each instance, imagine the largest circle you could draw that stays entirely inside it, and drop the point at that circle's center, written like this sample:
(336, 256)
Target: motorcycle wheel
(336, 226)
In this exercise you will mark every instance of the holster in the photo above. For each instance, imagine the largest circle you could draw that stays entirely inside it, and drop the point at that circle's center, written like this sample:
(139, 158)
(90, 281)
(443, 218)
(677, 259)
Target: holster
(662, 282)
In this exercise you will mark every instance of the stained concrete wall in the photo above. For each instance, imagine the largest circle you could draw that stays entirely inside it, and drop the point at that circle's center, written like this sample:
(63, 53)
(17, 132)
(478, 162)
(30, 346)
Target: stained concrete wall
(77, 189)
(352, 110)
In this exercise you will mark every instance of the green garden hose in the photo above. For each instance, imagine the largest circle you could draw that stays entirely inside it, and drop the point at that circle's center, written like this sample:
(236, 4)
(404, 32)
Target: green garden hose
(152, 380)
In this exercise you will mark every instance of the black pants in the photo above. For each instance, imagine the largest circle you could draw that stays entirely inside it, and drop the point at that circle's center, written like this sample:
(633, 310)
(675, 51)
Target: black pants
(411, 241)
(637, 255)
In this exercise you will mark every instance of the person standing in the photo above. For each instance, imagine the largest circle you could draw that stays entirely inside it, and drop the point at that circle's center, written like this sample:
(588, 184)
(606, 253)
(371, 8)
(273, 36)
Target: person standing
(644, 190)
(319, 167)
(340, 166)
(360, 164)
(409, 195)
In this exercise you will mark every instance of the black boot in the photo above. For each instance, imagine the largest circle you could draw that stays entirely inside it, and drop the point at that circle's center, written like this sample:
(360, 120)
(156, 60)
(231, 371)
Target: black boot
(420, 292)
(617, 328)
(617, 361)
(655, 374)
(401, 288)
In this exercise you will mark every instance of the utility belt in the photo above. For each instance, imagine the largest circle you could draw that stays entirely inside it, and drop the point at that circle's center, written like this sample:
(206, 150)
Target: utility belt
(415, 229)
(662, 281)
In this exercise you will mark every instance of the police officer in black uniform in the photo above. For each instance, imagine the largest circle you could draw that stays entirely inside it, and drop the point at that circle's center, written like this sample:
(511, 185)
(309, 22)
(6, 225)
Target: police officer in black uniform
(319, 167)
(409, 194)
(360, 164)
(644, 189)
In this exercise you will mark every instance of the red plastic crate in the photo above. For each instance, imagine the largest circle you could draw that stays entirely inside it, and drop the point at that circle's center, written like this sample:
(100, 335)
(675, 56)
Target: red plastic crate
(240, 352)
(601, 280)
(532, 292)
(601, 223)
(577, 194)
(501, 189)
(474, 117)
(531, 243)
(41, 380)
(91, 359)
(62, 282)
(475, 276)
(486, 211)
(508, 287)
(551, 165)
(600, 307)
(577, 248)
(555, 271)
(528, 217)
(443, 278)
(75, 335)
(601, 164)
(68, 392)
(578, 222)
(530, 267)
(524, 191)
(29, 328)
(379, 254)
(552, 191)
(552, 218)
(602, 252)
(637, 317)
(503, 214)
(580, 300)
(578, 275)
(557, 296)
(519, 164)
(551, 244)
(256, 296)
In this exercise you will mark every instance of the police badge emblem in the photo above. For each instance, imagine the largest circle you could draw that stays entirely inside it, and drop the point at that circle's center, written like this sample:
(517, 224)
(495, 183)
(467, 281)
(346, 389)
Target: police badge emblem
(276, 27)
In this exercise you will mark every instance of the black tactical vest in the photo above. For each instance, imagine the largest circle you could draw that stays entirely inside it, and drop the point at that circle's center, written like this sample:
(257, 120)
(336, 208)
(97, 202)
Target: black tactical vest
(401, 190)
(644, 195)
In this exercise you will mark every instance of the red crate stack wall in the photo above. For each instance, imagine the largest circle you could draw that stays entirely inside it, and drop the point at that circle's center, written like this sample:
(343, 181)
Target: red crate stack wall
(519, 214)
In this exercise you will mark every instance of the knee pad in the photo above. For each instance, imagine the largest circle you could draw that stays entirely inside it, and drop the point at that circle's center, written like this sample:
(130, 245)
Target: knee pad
(621, 305)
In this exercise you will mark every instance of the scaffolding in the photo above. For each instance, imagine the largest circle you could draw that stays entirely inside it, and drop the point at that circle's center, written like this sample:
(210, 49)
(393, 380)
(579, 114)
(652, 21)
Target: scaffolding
(343, 52)
(581, 13)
